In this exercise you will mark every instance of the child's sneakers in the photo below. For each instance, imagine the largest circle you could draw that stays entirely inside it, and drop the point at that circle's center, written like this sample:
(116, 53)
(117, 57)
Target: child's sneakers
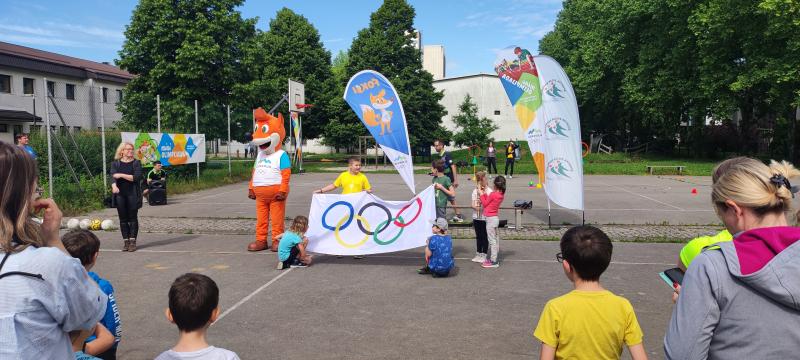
(280, 265)
(299, 264)
(479, 258)
(489, 264)
(457, 218)
(424, 271)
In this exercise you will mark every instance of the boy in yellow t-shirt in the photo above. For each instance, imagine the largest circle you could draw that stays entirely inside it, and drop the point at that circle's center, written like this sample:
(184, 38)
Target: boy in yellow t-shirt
(351, 181)
(589, 322)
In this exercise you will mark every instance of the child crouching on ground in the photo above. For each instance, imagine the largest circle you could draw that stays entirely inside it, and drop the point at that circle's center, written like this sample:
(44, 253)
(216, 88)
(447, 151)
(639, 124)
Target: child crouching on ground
(193, 307)
(589, 322)
(292, 245)
(439, 252)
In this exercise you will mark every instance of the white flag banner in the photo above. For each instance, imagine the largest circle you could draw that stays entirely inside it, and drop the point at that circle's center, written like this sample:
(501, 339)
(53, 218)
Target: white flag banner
(562, 135)
(362, 223)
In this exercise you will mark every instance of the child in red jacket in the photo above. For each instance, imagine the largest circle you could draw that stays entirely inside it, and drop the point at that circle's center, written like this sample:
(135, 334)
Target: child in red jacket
(491, 203)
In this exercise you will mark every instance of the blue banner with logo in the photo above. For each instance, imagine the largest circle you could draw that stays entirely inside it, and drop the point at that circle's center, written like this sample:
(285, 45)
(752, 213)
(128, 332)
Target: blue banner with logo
(377, 104)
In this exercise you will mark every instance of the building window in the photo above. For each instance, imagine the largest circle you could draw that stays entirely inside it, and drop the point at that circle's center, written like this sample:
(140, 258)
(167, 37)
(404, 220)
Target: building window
(63, 130)
(497, 112)
(119, 96)
(76, 129)
(27, 86)
(3, 128)
(70, 91)
(36, 129)
(5, 84)
(105, 95)
(17, 129)
(51, 88)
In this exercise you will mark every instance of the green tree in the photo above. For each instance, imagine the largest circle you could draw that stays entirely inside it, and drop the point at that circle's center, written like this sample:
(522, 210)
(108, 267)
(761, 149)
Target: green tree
(471, 129)
(291, 49)
(386, 46)
(183, 51)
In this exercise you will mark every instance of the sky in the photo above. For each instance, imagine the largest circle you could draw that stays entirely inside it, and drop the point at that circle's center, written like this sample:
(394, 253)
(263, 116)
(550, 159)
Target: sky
(470, 30)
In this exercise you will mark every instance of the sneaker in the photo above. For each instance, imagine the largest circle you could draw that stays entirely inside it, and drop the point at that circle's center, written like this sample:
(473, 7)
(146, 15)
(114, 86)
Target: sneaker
(280, 265)
(510, 177)
(299, 264)
(458, 219)
(424, 271)
(489, 264)
(479, 258)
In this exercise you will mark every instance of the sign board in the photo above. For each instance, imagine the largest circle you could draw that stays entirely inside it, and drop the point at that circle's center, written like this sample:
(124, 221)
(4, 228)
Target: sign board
(297, 95)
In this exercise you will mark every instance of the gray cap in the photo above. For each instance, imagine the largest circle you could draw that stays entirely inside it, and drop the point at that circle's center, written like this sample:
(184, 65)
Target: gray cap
(441, 223)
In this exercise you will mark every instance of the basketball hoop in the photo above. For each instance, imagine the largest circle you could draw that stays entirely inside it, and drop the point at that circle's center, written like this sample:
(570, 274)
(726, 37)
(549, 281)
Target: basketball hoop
(303, 106)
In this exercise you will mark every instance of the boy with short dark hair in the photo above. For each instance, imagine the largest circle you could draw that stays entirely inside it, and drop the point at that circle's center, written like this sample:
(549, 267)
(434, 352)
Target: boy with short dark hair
(439, 251)
(85, 246)
(157, 173)
(450, 170)
(443, 186)
(589, 322)
(193, 307)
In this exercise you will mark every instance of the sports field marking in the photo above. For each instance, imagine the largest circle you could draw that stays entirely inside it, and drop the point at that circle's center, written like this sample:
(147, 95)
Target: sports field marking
(646, 197)
(248, 297)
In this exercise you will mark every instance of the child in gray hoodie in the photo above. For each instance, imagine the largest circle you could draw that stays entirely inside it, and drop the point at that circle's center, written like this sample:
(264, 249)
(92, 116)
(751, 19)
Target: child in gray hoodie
(741, 299)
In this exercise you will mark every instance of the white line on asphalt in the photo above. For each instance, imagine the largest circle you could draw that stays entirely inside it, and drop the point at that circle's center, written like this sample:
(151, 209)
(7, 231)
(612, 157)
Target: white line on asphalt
(371, 256)
(252, 294)
(646, 197)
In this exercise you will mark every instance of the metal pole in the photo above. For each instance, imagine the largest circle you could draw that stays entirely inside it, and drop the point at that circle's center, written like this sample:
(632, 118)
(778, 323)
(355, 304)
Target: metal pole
(549, 223)
(103, 141)
(158, 111)
(197, 131)
(229, 142)
(300, 141)
(49, 140)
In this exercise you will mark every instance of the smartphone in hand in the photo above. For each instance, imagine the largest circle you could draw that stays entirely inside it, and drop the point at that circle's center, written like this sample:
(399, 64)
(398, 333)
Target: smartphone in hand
(672, 276)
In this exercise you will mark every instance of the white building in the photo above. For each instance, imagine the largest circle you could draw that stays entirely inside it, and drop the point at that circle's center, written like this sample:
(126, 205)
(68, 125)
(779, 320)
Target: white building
(488, 94)
(80, 91)
(433, 61)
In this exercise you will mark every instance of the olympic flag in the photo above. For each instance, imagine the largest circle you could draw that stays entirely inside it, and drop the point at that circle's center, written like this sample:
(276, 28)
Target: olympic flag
(547, 111)
(377, 104)
(362, 223)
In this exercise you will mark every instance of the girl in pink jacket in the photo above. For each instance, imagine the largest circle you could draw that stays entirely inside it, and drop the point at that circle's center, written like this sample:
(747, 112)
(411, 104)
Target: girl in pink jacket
(491, 203)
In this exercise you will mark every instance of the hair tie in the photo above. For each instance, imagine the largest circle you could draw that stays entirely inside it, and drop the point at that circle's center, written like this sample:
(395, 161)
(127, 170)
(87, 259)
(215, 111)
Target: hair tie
(780, 180)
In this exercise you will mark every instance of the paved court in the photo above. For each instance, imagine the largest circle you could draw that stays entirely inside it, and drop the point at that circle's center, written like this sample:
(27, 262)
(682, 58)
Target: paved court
(375, 308)
(378, 307)
(662, 200)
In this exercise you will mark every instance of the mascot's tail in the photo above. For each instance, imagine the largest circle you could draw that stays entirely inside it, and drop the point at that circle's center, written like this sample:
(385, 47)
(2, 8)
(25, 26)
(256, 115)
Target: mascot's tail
(369, 116)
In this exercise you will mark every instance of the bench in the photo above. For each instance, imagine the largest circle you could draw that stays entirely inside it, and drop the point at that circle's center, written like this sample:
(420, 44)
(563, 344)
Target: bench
(680, 168)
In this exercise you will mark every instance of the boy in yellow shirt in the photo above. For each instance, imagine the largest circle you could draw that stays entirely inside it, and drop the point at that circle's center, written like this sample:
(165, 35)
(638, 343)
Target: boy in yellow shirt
(351, 181)
(589, 322)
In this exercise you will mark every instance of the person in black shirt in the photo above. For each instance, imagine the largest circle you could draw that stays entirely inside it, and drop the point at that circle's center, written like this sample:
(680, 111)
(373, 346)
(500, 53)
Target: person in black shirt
(127, 174)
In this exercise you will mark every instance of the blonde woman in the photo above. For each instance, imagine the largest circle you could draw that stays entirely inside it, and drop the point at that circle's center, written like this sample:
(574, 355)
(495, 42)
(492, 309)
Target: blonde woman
(126, 172)
(739, 299)
(44, 292)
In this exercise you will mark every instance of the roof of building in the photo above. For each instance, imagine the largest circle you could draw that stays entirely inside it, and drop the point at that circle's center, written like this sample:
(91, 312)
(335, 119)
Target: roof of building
(39, 60)
(465, 77)
(17, 115)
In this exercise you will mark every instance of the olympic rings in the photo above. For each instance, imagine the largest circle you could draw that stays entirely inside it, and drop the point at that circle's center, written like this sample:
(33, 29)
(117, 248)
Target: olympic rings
(585, 148)
(349, 217)
(387, 242)
(339, 238)
(364, 225)
(379, 229)
(419, 210)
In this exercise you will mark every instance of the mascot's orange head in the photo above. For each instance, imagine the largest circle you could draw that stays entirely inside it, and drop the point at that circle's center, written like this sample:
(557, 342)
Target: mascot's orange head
(269, 132)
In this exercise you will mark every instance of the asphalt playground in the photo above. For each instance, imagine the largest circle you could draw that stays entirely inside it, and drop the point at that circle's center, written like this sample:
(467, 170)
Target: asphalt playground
(378, 307)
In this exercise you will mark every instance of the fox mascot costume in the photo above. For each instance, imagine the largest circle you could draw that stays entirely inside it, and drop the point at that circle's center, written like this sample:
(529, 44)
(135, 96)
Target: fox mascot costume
(269, 184)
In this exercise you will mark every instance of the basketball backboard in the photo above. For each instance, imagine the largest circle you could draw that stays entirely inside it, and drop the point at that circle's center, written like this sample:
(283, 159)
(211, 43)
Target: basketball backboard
(297, 95)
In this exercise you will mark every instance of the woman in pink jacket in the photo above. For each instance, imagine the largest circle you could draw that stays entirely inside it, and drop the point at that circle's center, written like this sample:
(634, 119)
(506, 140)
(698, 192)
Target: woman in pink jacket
(491, 203)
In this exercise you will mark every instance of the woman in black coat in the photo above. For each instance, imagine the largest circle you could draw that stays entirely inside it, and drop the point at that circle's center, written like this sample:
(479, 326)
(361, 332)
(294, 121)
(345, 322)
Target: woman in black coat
(127, 193)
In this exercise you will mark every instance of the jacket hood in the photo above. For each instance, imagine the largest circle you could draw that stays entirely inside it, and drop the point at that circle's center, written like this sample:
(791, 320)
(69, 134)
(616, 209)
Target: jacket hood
(768, 261)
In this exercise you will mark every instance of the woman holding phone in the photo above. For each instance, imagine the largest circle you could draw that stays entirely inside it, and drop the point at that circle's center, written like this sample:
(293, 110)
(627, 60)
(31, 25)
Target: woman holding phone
(44, 292)
(738, 299)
